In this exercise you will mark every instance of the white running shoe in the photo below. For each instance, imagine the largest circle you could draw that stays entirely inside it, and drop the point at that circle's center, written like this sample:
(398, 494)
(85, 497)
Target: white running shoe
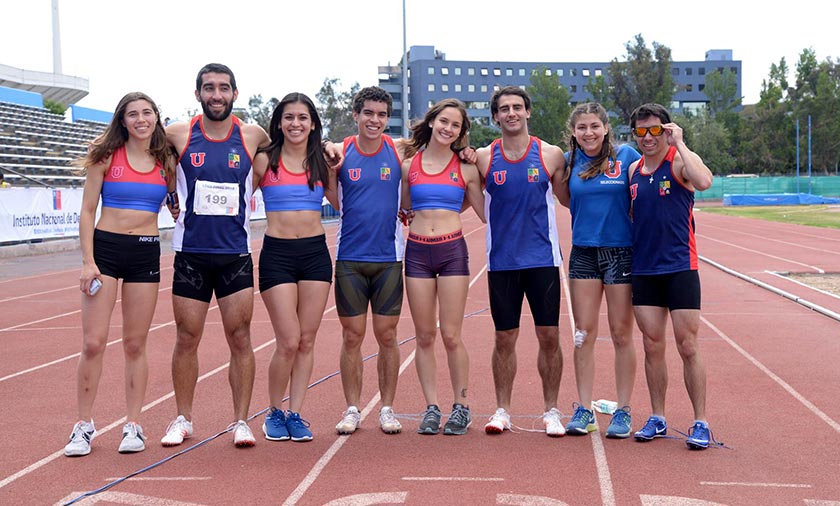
(498, 422)
(553, 423)
(242, 435)
(350, 421)
(388, 421)
(80, 438)
(133, 440)
(177, 431)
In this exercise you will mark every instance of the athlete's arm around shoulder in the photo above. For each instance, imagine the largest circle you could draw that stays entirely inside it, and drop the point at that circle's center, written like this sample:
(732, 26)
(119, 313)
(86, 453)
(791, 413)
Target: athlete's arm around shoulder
(475, 197)
(254, 137)
(177, 135)
(555, 164)
(482, 162)
(688, 166)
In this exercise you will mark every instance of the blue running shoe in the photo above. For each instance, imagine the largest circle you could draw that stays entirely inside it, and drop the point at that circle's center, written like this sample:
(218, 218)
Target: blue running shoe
(620, 424)
(654, 427)
(698, 436)
(298, 427)
(274, 427)
(583, 421)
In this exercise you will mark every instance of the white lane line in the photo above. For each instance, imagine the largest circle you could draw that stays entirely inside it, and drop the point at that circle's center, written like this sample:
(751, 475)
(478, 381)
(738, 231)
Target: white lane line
(782, 383)
(800, 283)
(763, 253)
(600, 454)
(787, 243)
(748, 484)
(161, 478)
(328, 455)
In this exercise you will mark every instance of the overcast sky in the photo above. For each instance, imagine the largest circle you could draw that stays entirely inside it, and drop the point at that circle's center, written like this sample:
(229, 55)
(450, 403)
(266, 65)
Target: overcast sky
(276, 47)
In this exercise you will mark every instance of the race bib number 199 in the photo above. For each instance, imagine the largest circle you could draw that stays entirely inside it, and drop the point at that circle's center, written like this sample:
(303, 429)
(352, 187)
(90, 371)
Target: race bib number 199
(216, 199)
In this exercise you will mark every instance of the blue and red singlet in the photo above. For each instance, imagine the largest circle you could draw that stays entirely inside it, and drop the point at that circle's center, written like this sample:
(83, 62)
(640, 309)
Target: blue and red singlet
(369, 198)
(126, 188)
(444, 190)
(214, 190)
(663, 221)
(519, 206)
(287, 191)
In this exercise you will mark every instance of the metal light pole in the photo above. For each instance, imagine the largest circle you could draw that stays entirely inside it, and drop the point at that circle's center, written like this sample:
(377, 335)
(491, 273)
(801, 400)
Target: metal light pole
(404, 80)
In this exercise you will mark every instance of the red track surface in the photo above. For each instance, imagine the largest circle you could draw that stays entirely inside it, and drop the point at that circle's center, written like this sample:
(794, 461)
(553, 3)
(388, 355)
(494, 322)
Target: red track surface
(773, 385)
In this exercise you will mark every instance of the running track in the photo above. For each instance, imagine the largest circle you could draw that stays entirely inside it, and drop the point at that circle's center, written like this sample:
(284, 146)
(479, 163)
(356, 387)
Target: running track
(773, 386)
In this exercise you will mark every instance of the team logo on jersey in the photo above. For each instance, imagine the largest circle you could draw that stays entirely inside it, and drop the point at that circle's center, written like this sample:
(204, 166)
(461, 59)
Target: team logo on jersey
(533, 175)
(453, 176)
(117, 172)
(273, 176)
(664, 188)
(233, 160)
(354, 174)
(614, 170)
(633, 189)
(197, 159)
(412, 177)
(385, 174)
(162, 175)
(500, 177)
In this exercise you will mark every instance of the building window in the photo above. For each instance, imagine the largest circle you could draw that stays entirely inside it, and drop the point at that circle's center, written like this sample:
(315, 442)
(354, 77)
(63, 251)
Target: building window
(431, 87)
(701, 87)
(702, 71)
(457, 71)
(444, 71)
(548, 72)
(484, 71)
(470, 71)
(444, 87)
(431, 71)
(689, 71)
(585, 72)
(471, 88)
(497, 72)
(573, 88)
(521, 72)
(572, 72)
(484, 88)
(508, 72)
(598, 73)
(734, 70)
(430, 104)
(675, 71)
(458, 88)
(689, 87)
(559, 72)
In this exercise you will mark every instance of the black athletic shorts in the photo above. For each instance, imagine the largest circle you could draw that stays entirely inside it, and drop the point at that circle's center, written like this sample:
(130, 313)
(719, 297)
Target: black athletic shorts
(430, 257)
(198, 275)
(678, 290)
(610, 265)
(358, 284)
(541, 285)
(292, 260)
(132, 258)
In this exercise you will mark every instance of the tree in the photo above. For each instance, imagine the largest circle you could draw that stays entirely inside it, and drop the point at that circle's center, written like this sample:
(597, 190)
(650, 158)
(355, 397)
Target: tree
(721, 88)
(260, 112)
(549, 106)
(644, 77)
(481, 135)
(336, 109)
(54, 106)
(711, 140)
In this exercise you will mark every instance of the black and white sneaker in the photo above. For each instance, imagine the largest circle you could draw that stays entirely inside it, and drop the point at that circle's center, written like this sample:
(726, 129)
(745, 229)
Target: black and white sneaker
(459, 420)
(79, 444)
(431, 420)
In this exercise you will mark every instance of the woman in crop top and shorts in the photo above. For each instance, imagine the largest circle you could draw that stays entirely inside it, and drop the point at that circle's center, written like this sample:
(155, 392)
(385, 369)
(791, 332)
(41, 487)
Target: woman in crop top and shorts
(295, 268)
(435, 184)
(130, 167)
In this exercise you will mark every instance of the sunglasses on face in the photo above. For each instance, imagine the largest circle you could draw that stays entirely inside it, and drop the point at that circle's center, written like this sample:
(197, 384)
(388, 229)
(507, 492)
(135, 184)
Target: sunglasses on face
(655, 131)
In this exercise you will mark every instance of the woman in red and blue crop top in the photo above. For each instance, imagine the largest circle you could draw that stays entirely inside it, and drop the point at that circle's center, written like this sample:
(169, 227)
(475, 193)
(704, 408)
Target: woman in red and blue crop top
(129, 167)
(295, 268)
(435, 185)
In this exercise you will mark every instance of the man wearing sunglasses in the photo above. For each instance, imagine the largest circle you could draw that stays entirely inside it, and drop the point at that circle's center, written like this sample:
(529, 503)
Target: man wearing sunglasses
(665, 262)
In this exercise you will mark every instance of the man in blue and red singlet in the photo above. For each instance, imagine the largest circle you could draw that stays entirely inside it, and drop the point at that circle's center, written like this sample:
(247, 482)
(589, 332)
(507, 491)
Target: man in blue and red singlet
(665, 277)
(523, 251)
(212, 244)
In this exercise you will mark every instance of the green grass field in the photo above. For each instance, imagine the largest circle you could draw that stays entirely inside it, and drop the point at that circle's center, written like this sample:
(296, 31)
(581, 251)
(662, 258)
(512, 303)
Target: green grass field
(816, 215)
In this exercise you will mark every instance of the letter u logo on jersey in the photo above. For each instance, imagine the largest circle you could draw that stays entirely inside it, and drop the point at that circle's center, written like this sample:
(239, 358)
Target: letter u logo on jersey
(117, 172)
(197, 159)
(354, 174)
(615, 170)
(633, 189)
(500, 177)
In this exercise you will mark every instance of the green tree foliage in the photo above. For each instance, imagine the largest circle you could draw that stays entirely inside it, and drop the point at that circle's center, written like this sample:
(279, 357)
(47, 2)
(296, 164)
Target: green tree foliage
(549, 106)
(482, 135)
(54, 106)
(711, 140)
(722, 89)
(260, 111)
(335, 107)
(644, 76)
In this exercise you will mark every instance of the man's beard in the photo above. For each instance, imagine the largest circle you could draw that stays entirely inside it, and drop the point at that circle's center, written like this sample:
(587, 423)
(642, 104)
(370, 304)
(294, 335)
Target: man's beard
(210, 114)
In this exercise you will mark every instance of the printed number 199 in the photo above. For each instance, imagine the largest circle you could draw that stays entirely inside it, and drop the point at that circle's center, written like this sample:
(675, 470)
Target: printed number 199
(216, 199)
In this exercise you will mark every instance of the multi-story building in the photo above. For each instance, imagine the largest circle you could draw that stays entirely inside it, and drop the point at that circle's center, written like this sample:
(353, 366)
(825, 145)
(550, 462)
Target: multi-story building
(431, 77)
